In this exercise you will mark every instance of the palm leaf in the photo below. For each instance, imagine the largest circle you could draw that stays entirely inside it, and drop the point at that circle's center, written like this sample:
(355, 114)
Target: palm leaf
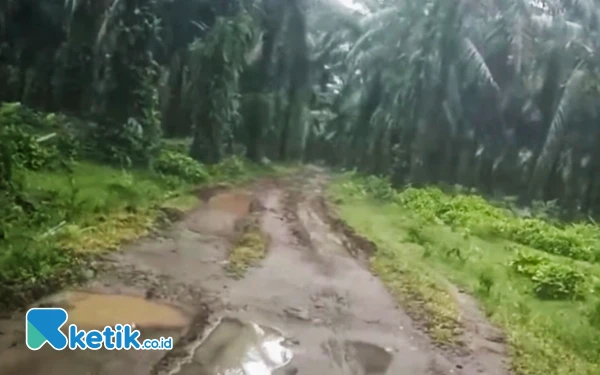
(557, 128)
(476, 62)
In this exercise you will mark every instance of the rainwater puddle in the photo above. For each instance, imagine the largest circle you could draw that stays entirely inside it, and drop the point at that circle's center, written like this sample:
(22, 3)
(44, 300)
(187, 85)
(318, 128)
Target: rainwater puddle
(92, 310)
(220, 213)
(368, 359)
(234, 347)
(234, 203)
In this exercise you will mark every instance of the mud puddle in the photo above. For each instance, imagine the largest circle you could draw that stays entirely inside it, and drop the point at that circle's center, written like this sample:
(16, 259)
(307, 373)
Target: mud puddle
(235, 202)
(235, 347)
(367, 359)
(221, 211)
(95, 310)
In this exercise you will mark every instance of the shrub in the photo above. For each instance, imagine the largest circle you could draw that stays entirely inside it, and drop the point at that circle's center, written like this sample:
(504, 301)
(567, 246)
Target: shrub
(570, 242)
(380, 188)
(559, 281)
(24, 149)
(34, 141)
(176, 164)
(230, 167)
(527, 263)
(551, 280)
(31, 271)
(15, 114)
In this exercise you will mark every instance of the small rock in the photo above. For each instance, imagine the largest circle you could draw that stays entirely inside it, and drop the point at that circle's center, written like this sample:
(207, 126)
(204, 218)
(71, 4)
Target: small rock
(318, 321)
(459, 366)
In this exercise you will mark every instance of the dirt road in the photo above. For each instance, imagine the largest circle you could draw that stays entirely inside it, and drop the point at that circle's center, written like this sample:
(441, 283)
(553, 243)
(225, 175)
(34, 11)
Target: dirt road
(311, 307)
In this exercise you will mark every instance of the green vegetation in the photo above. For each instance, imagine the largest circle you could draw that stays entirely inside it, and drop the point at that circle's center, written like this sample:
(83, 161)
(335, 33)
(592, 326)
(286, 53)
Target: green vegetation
(249, 249)
(537, 280)
(57, 207)
(498, 96)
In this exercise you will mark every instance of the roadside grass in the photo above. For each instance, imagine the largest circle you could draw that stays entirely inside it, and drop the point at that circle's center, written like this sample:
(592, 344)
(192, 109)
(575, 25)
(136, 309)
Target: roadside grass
(418, 253)
(87, 209)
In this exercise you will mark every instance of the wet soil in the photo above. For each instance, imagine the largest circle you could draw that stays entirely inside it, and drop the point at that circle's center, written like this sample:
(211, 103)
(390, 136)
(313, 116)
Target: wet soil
(312, 307)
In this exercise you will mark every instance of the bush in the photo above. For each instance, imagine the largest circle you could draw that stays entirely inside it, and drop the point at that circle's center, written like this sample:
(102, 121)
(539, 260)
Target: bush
(527, 263)
(34, 141)
(34, 270)
(576, 241)
(380, 188)
(552, 280)
(24, 150)
(176, 164)
(570, 242)
(377, 187)
(15, 114)
(230, 167)
(559, 281)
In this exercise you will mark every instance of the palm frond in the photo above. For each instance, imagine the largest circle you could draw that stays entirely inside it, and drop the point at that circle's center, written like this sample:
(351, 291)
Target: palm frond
(109, 19)
(558, 127)
(379, 19)
(475, 61)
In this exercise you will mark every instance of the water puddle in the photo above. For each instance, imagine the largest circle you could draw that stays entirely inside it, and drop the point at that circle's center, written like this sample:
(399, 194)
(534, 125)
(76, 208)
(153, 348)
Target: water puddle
(234, 347)
(368, 359)
(92, 310)
(221, 213)
(234, 203)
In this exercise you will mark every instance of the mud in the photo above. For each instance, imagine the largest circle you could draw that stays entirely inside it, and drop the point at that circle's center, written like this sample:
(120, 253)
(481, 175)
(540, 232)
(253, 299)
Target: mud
(328, 310)
(97, 310)
(237, 347)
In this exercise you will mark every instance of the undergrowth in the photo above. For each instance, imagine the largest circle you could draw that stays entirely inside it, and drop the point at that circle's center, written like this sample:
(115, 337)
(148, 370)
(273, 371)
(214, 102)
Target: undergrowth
(537, 279)
(58, 207)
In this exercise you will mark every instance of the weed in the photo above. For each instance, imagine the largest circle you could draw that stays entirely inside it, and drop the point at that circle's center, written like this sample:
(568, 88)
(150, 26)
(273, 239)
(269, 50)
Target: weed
(249, 249)
(172, 163)
(551, 280)
(559, 281)
(486, 282)
(229, 168)
(415, 236)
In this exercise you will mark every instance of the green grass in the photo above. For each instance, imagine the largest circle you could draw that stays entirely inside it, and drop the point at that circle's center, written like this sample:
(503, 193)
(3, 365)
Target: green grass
(89, 210)
(422, 244)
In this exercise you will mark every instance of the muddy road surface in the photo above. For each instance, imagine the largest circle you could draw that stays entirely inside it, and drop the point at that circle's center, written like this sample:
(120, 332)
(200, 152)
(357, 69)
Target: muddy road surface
(311, 307)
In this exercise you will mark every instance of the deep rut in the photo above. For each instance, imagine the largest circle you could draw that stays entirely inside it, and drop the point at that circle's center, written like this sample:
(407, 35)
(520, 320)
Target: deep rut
(312, 307)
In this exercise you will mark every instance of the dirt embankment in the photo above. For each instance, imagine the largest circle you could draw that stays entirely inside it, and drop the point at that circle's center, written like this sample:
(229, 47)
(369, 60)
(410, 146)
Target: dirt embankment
(308, 304)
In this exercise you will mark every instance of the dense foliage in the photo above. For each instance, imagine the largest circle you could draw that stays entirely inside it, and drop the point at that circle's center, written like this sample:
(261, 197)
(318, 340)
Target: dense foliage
(57, 203)
(498, 96)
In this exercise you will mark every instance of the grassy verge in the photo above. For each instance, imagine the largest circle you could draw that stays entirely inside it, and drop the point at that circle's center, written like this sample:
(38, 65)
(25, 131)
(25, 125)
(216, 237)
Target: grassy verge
(546, 302)
(86, 209)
